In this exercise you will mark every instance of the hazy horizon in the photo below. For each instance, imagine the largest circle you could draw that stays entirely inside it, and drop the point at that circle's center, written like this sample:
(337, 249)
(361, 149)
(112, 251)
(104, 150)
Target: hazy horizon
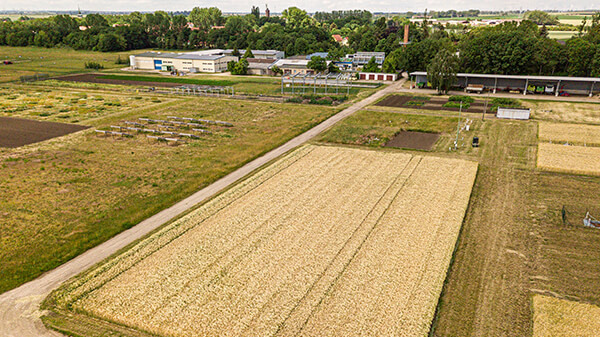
(308, 5)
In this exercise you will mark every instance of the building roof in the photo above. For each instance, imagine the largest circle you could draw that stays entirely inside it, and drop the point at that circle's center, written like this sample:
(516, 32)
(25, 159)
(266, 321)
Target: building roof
(255, 60)
(291, 63)
(186, 56)
(337, 37)
(199, 57)
(259, 63)
(255, 52)
(323, 55)
(520, 77)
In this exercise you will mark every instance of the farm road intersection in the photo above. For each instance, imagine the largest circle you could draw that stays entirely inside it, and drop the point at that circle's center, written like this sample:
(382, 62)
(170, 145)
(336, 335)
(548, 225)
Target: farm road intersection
(19, 308)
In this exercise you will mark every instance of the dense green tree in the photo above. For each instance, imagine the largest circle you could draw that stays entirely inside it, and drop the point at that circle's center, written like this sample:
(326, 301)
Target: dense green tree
(581, 53)
(371, 66)
(295, 16)
(204, 18)
(96, 21)
(248, 54)
(318, 64)
(110, 42)
(541, 18)
(256, 12)
(442, 70)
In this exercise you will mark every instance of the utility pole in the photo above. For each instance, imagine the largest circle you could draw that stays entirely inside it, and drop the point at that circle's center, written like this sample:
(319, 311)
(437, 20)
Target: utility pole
(458, 126)
(485, 108)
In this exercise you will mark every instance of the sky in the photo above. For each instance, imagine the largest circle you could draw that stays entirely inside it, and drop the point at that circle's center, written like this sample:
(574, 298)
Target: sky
(308, 5)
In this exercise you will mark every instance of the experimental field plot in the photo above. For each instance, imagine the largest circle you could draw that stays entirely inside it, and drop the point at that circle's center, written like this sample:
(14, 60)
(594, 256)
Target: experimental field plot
(327, 241)
(559, 317)
(570, 148)
(580, 134)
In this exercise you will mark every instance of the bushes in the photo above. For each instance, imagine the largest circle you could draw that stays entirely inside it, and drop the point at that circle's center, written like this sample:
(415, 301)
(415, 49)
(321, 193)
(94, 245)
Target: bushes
(505, 103)
(459, 98)
(93, 65)
(318, 100)
(122, 61)
(454, 104)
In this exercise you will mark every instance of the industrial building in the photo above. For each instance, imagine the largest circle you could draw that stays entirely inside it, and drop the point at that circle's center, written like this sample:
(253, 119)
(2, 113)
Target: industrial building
(294, 66)
(258, 54)
(523, 84)
(210, 61)
(258, 66)
(363, 57)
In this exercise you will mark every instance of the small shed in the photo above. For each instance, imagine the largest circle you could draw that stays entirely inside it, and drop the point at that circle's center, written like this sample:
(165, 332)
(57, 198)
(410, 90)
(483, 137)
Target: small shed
(512, 113)
(364, 76)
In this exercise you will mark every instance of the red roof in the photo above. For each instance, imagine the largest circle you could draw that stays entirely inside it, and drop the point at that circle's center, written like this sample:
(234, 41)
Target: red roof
(337, 37)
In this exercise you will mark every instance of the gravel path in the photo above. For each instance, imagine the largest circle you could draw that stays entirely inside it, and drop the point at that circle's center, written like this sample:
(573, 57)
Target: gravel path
(19, 308)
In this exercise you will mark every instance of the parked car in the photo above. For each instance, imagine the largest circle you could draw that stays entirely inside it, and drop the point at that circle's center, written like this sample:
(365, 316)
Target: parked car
(475, 141)
(549, 89)
(7, 62)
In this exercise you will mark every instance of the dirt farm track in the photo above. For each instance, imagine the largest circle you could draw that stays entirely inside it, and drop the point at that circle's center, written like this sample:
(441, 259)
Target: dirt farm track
(15, 132)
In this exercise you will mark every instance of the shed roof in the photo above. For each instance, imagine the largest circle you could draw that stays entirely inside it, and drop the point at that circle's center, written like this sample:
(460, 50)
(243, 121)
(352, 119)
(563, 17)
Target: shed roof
(519, 77)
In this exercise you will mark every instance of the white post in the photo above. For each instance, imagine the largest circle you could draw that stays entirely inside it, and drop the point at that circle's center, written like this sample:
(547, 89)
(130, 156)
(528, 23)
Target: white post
(495, 84)
(526, 84)
(592, 89)
(557, 89)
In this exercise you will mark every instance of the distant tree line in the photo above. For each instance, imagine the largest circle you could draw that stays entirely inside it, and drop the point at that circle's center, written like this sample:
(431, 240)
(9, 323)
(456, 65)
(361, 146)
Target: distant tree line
(507, 48)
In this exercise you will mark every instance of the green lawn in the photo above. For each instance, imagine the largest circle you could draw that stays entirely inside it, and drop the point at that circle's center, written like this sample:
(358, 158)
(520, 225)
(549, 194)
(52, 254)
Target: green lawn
(52, 61)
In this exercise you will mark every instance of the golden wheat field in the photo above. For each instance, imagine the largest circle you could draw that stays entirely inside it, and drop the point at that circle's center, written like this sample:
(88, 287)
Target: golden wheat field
(570, 159)
(557, 317)
(573, 133)
(327, 241)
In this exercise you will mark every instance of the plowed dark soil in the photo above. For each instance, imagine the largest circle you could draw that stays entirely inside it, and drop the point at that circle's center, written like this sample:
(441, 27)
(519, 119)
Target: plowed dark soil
(15, 132)
(414, 140)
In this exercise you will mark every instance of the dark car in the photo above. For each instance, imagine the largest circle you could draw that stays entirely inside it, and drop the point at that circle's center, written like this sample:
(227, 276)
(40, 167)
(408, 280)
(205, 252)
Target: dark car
(475, 142)
(7, 62)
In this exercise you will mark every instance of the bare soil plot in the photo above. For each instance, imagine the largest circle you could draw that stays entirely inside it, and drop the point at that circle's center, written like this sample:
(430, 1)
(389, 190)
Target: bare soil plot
(433, 103)
(15, 132)
(579, 134)
(326, 241)
(559, 317)
(413, 140)
(96, 78)
(569, 159)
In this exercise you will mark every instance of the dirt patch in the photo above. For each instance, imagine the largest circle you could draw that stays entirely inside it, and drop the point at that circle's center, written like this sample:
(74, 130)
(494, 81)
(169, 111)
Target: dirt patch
(15, 132)
(414, 140)
(95, 78)
(434, 103)
(394, 101)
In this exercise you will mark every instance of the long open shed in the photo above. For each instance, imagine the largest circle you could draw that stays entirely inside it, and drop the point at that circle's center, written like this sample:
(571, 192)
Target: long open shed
(521, 83)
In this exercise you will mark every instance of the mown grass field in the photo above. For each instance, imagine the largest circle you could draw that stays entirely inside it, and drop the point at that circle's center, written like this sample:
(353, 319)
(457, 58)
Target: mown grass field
(51, 61)
(384, 225)
(65, 195)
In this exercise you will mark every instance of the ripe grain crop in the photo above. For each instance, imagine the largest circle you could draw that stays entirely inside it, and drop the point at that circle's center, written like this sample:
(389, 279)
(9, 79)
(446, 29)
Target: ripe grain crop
(580, 134)
(325, 241)
(569, 159)
(558, 317)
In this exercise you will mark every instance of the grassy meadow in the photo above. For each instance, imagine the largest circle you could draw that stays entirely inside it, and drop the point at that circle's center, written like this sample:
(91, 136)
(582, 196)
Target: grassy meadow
(71, 193)
(52, 61)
